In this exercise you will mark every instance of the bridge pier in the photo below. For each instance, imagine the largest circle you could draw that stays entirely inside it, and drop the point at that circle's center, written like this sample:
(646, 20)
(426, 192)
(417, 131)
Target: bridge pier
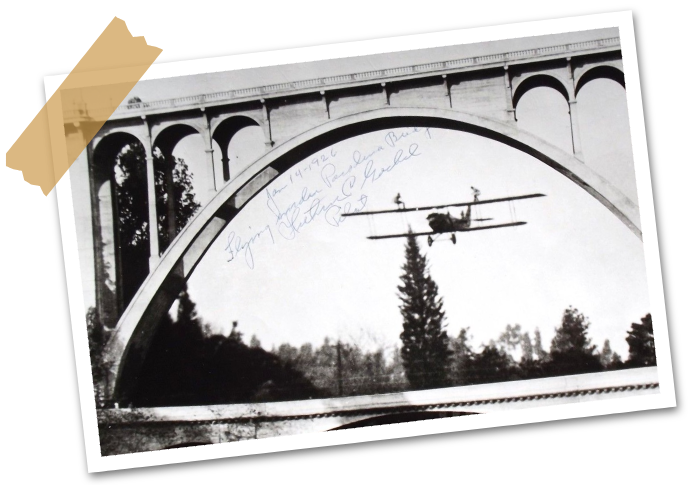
(154, 247)
(208, 140)
(575, 130)
(572, 105)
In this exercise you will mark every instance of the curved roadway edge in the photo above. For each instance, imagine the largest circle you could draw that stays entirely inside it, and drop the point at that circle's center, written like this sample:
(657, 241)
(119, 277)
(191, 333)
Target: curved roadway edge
(572, 386)
(127, 347)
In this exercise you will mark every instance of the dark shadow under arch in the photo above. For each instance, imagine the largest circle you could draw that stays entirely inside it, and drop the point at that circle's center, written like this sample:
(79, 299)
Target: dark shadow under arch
(188, 444)
(600, 72)
(539, 81)
(396, 418)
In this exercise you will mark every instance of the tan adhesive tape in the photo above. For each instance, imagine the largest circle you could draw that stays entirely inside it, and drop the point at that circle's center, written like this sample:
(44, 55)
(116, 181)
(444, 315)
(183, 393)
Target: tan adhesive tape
(85, 100)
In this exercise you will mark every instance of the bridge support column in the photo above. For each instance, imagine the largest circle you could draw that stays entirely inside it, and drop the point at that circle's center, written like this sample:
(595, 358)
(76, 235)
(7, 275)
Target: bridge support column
(213, 188)
(226, 168)
(154, 250)
(386, 95)
(572, 105)
(325, 104)
(106, 301)
(510, 109)
(446, 85)
(170, 163)
(153, 216)
(575, 130)
(208, 139)
(268, 135)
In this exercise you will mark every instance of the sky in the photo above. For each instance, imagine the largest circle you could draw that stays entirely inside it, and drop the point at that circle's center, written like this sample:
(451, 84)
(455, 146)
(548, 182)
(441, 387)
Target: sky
(324, 278)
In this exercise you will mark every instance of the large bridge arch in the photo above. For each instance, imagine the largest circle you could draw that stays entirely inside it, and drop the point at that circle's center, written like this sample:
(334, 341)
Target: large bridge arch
(127, 347)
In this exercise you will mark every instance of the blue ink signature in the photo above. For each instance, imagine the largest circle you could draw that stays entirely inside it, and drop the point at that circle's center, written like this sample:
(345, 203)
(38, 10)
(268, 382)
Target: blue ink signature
(305, 196)
(374, 173)
(236, 245)
(392, 138)
(339, 191)
(295, 219)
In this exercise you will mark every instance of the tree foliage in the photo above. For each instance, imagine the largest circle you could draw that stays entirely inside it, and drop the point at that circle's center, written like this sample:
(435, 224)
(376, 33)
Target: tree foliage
(641, 348)
(188, 365)
(425, 351)
(184, 203)
(97, 334)
(492, 365)
(461, 358)
(344, 369)
(571, 349)
(131, 198)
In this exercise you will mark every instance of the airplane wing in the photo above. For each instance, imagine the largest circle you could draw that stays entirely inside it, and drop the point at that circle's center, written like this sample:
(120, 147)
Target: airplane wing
(390, 236)
(431, 233)
(493, 226)
(443, 206)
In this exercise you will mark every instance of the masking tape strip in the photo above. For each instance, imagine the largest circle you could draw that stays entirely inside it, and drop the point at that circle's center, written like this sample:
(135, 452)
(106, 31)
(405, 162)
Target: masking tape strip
(98, 83)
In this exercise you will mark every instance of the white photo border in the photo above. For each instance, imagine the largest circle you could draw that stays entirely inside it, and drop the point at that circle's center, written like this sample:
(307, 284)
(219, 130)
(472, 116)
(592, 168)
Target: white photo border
(664, 399)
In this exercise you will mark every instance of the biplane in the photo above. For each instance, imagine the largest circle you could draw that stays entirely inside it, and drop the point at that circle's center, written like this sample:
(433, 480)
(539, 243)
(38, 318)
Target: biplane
(444, 223)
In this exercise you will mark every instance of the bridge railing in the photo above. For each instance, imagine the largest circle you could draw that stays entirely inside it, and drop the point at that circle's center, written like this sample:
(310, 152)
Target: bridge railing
(138, 108)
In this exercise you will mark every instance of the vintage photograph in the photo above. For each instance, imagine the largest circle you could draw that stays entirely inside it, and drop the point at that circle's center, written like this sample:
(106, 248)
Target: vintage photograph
(363, 241)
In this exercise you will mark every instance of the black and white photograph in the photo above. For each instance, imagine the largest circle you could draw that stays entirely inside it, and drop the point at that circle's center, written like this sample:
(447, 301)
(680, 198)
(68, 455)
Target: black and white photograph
(434, 234)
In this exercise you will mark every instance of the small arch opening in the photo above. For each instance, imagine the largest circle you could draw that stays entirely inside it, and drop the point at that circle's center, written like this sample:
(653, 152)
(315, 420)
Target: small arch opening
(241, 141)
(539, 80)
(600, 72)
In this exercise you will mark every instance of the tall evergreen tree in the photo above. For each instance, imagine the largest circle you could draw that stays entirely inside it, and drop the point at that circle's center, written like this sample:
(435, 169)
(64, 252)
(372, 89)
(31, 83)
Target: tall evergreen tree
(425, 351)
(642, 351)
(571, 349)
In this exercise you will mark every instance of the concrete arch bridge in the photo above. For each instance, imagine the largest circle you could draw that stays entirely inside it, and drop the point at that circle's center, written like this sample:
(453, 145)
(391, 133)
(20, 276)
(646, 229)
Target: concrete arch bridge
(477, 95)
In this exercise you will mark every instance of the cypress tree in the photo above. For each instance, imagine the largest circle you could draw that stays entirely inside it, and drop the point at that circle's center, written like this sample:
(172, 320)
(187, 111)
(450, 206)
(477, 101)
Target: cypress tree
(425, 348)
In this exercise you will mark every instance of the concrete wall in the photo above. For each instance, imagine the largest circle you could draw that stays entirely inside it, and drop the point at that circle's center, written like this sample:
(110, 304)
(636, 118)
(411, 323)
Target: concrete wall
(483, 94)
(346, 102)
(429, 93)
(291, 116)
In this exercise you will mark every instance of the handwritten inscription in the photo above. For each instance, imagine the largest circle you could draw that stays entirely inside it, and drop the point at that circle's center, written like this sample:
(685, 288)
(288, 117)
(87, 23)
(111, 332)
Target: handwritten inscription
(323, 188)
(237, 246)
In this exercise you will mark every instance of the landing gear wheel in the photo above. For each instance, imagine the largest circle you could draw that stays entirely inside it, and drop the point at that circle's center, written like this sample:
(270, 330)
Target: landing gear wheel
(452, 238)
(430, 241)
